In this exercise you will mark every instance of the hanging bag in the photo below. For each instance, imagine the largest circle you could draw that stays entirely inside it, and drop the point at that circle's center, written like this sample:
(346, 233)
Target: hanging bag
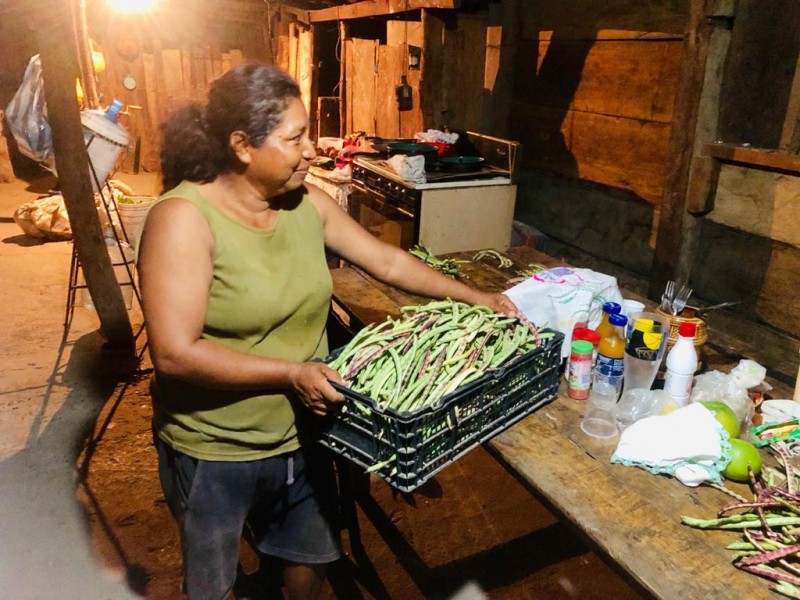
(26, 116)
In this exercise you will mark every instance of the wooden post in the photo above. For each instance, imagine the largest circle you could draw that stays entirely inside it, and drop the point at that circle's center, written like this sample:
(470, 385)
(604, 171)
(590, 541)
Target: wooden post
(85, 59)
(59, 71)
(675, 227)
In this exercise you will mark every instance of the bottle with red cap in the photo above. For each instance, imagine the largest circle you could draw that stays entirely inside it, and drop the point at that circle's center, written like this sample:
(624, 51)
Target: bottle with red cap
(681, 365)
(588, 335)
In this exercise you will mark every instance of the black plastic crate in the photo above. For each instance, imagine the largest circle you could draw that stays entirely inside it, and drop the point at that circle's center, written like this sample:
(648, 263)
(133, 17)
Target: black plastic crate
(425, 442)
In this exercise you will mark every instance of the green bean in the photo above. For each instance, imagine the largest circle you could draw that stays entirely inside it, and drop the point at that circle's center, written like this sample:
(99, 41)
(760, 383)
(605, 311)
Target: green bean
(433, 349)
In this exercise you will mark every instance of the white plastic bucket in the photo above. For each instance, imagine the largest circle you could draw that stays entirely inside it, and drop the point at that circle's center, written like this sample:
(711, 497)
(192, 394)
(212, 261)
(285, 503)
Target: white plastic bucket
(133, 214)
(105, 141)
(119, 257)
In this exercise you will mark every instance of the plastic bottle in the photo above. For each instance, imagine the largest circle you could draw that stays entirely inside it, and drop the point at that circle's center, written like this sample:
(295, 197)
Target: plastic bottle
(611, 350)
(580, 370)
(681, 365)
(112, 112)
(586, 335)
(609, 308)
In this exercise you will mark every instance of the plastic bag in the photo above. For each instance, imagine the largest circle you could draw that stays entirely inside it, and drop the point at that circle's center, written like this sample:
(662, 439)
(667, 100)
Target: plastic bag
(731, 388)
(44, 218)
(562, 297)
(26, 115)
(639, 403)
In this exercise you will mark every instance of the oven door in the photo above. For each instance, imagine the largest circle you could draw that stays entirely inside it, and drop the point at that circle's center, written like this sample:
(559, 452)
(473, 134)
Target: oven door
(386, 218)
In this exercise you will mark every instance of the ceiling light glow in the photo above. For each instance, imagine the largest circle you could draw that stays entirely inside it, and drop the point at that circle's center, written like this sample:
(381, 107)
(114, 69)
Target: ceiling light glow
(132, 6)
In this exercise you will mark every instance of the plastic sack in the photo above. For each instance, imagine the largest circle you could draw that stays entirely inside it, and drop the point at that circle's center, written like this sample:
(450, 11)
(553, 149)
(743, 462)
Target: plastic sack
(26, 115)
(639, 403)
(731, 388)
(44, 218)
(561, 297)
(47, 218)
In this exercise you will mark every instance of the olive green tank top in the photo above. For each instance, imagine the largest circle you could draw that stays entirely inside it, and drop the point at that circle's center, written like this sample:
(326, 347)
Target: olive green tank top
(269, 297)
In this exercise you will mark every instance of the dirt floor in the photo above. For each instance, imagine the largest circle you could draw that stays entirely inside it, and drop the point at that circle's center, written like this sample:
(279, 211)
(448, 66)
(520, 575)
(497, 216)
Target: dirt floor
(82, 512)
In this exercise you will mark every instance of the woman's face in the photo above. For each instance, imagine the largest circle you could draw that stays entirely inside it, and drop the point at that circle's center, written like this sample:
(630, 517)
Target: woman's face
(281, 162)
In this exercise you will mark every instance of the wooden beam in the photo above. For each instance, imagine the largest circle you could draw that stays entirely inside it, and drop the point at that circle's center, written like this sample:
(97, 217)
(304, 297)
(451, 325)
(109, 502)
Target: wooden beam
(670, 260)
(759, 158)
(376, 8)
(59, 71)
(790, 136)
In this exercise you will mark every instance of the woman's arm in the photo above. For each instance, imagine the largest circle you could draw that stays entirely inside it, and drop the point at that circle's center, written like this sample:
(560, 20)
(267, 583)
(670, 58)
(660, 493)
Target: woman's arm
(175, 271)
(393, 265)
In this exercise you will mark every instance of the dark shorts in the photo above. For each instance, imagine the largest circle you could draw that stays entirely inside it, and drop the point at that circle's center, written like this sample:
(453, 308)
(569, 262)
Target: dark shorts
(287, 501)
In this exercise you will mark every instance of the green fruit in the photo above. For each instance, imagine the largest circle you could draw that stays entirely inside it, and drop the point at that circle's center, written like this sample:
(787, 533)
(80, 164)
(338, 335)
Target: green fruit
(725, 415)
(743, 453)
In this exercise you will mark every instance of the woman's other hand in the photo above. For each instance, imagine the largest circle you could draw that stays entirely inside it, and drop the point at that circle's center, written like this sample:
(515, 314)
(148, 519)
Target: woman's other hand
(311, 382)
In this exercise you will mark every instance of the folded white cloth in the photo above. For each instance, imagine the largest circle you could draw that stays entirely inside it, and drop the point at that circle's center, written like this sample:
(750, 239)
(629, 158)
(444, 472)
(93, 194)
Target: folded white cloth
(688, 443)
(408, 167)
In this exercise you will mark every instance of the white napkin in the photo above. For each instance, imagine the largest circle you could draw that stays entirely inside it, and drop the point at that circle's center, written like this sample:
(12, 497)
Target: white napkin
(688, 443)
(408, 167)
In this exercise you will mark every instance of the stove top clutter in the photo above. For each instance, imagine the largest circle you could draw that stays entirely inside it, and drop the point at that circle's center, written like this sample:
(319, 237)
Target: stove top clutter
(432, 172)
(473, 157)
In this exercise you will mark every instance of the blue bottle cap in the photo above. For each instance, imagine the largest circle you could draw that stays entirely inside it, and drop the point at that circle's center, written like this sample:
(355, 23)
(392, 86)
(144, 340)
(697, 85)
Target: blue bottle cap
(612, 308)
(618, 320)
(113, 110)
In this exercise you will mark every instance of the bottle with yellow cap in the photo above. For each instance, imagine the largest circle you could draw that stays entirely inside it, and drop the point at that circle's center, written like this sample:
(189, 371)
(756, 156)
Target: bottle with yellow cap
(642, 354)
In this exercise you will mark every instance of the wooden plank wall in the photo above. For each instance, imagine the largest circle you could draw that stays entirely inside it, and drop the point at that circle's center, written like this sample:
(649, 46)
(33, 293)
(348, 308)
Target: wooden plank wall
(372, 72)
(173, 55)
(594, 88)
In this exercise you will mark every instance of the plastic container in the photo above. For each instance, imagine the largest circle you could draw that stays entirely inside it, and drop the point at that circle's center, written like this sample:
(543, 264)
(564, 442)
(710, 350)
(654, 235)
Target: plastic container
(609, 308)
(580, 369)
(441, 148)
(644, 349)
(587, 335)
(132, 214)
(105, 142)
(411, 449)
(112, 112)
(611, 350)
(681, 365)
(700, 337)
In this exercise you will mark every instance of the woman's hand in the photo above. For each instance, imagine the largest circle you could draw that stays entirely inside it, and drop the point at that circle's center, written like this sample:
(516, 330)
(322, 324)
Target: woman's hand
(499, 303)
(311, 382)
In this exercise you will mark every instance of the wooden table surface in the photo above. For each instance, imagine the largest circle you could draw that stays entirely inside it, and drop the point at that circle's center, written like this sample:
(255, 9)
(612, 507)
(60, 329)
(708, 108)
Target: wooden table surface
(629, 515)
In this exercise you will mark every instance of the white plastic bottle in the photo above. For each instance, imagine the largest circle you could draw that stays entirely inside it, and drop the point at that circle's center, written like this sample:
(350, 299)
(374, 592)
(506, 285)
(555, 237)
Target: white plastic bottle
(681, 365)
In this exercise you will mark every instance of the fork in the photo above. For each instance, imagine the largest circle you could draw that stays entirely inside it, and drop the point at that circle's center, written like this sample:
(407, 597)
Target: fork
(681, 299)
(667, 296)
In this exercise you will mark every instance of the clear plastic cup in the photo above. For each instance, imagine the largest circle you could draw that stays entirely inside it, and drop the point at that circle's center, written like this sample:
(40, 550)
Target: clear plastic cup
(599, 420)
(640, 372)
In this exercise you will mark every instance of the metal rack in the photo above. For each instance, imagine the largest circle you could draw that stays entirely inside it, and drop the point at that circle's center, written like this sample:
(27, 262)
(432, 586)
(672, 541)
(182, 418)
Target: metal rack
(107, 196)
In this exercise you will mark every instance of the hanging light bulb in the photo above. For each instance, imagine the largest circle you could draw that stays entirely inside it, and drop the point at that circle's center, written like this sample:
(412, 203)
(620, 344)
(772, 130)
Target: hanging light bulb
(131, 6)
(98, 60)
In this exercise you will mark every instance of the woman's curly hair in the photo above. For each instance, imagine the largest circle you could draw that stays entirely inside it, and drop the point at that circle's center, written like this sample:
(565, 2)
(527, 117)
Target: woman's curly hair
(250, 98)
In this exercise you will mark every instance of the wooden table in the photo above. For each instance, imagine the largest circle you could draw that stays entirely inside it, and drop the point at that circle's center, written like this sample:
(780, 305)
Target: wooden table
(630, 516)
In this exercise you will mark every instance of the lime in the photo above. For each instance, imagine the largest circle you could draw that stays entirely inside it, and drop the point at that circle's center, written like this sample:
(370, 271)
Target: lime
(743, 453)
(725, 415)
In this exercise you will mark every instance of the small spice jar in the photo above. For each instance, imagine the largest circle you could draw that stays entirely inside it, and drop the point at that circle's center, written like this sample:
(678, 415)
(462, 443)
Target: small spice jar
(580, 370)
(586, 334)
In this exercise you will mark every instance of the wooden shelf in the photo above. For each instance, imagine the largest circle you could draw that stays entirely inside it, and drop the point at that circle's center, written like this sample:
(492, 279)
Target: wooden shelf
(759, 158)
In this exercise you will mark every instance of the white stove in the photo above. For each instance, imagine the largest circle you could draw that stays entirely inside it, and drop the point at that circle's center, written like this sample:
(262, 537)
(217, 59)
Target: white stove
(450, 212)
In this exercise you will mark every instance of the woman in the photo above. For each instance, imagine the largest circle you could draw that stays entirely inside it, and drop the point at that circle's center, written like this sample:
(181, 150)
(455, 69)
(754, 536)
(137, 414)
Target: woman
(236, 293)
